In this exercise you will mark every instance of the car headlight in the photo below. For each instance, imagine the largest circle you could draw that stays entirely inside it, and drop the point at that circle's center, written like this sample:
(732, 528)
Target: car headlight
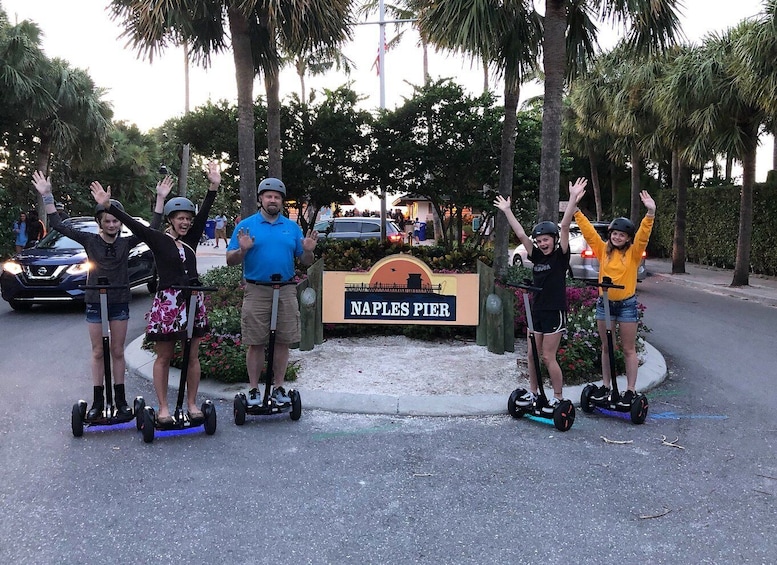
(79, 268)
(12, 267)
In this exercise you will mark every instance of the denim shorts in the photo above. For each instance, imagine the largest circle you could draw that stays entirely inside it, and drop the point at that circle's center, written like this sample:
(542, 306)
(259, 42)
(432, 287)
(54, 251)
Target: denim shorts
(620, 310)
(116, 312)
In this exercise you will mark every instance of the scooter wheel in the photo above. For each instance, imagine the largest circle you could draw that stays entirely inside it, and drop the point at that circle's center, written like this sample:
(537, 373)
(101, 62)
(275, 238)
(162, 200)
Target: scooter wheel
(512, 408)
(209, 411)
(564, 415)
(239, 409)
(139, 406)
(76, 421)
(82, 406)
(639, 409)
(585, 399)
(296, 405)
(147, 424)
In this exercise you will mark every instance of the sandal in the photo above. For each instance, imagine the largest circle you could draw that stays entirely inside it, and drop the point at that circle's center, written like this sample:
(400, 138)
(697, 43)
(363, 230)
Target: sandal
(193, 414)
(164, 420)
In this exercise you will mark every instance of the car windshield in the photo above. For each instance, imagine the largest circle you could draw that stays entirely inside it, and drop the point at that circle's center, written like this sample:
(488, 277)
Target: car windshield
(55, 240)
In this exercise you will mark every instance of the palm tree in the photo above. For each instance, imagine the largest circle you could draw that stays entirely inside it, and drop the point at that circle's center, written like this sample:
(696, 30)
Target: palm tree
(567, 44)
(506, 34)
(259, 32)
(319, 62)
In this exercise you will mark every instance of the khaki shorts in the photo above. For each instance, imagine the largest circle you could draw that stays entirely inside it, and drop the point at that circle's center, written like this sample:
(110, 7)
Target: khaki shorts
(221, 233)
(257, 310)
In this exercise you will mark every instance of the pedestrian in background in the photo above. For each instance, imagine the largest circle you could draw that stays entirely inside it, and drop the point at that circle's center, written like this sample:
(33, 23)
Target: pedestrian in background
(20, 232)
(221, 229)
(35, 229)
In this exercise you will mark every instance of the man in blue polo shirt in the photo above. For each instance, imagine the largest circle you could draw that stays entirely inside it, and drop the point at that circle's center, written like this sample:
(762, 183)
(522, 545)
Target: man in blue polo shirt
(267, 244)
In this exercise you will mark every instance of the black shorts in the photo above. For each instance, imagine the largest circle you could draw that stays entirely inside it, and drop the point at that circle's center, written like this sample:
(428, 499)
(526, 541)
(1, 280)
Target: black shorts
(549, 321)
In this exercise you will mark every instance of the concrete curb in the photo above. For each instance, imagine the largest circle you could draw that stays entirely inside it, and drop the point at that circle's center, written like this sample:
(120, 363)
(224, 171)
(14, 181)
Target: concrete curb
(140, 362)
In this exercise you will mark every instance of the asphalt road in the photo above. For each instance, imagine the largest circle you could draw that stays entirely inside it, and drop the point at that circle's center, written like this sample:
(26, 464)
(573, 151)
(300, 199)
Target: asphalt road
(338, 488)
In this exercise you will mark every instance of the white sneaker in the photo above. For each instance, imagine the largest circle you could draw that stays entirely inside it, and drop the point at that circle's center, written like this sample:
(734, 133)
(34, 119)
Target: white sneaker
(526, 400)
(280, 396)
(551, 406)
(254, 398)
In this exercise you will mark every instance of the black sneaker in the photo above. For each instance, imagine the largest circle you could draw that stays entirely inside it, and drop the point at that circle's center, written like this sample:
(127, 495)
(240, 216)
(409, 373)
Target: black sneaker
(279, 395)
(627, 398)
(96, 411)
(123, 411)
(600, 394)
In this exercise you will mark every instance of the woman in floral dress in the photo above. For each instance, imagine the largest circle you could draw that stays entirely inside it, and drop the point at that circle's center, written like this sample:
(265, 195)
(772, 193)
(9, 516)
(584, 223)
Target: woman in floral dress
(176, 261)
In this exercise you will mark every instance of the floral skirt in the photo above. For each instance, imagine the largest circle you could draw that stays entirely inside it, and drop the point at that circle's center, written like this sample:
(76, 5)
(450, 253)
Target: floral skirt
(169, 315)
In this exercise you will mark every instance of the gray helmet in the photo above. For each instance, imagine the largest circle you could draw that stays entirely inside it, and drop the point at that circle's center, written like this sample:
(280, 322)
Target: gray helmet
(272, 184)
(545, 228)
(178, 204)
(100, 209)
(622, 224)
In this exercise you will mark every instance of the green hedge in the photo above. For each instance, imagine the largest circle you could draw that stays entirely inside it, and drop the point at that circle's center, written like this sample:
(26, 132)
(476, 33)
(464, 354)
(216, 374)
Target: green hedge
(713, 225)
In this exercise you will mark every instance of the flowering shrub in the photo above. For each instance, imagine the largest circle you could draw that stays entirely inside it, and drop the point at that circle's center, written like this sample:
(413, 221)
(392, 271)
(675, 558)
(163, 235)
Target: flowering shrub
(579, 354)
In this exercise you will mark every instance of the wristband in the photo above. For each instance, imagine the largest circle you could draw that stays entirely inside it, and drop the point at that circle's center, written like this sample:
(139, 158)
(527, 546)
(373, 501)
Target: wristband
(48, 198)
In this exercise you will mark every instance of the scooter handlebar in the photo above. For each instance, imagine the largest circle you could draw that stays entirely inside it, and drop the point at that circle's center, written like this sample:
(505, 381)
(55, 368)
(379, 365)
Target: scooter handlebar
(606, 283)
(102, 286)
(195, 288)
(525, 285)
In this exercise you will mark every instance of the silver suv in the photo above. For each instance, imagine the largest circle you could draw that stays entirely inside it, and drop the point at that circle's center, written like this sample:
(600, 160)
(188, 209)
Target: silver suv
(358, 228)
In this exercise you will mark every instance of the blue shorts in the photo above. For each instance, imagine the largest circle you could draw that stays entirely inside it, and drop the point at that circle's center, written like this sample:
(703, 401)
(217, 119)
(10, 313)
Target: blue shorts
(116, 312)
(620, 310)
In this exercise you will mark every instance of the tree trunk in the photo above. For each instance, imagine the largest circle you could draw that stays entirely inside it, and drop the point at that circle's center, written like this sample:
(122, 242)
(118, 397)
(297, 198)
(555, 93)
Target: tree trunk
(272, 86)
(636, 187)
(613, 189)
(506, 163)
(729, 166)
(554, 64)
(244, 77)
(593, 160)
(678, 242)
(744, 237)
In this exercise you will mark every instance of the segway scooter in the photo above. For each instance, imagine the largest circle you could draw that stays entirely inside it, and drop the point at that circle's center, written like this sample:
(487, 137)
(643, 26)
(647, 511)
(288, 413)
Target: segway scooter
(181, 420)
(563, 415)
(269, 405)
(110, 415)
(638, 408)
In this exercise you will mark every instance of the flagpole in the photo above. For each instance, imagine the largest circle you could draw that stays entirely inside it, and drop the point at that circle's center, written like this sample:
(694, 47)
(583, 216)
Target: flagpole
(382, 75)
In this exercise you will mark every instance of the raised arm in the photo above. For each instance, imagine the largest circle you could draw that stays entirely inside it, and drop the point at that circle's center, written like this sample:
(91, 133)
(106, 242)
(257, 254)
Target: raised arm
(504, 205)
(577, 189)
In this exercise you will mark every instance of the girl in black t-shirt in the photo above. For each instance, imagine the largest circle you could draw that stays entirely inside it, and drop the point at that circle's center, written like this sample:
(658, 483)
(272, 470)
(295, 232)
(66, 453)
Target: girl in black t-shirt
(548, 249)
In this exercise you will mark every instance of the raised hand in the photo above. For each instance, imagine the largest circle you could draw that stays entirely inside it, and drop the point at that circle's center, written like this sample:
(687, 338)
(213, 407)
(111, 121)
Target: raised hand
(101, 195)
(502, 203)
(42, 183)
(214, 175)
(648, 201)
(164, 186)
(310, 241)
(244, 239)
(577, 190)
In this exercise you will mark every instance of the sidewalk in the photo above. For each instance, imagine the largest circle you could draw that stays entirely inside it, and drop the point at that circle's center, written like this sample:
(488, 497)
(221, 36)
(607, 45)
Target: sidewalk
(651, 373)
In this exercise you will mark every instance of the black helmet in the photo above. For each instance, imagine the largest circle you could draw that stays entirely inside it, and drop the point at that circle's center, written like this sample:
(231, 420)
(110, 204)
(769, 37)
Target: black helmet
(179, 204)
(272, 184)
(100, 209)
(545, 228)
(622, 224)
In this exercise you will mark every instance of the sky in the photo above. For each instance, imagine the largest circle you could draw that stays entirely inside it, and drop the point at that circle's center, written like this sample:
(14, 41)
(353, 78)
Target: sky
(148, 93)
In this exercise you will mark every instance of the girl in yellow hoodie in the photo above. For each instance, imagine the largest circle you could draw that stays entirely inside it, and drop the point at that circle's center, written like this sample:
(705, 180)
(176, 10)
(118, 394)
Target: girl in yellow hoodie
(619, 258)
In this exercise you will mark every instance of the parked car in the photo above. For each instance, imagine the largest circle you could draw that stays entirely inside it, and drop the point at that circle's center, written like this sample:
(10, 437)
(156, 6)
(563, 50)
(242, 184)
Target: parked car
(56, 268)
(358, 228)
(582, 262)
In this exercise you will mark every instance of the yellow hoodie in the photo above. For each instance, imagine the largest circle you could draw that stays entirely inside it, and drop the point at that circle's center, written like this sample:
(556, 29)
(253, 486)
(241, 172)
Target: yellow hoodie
(621, 266)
